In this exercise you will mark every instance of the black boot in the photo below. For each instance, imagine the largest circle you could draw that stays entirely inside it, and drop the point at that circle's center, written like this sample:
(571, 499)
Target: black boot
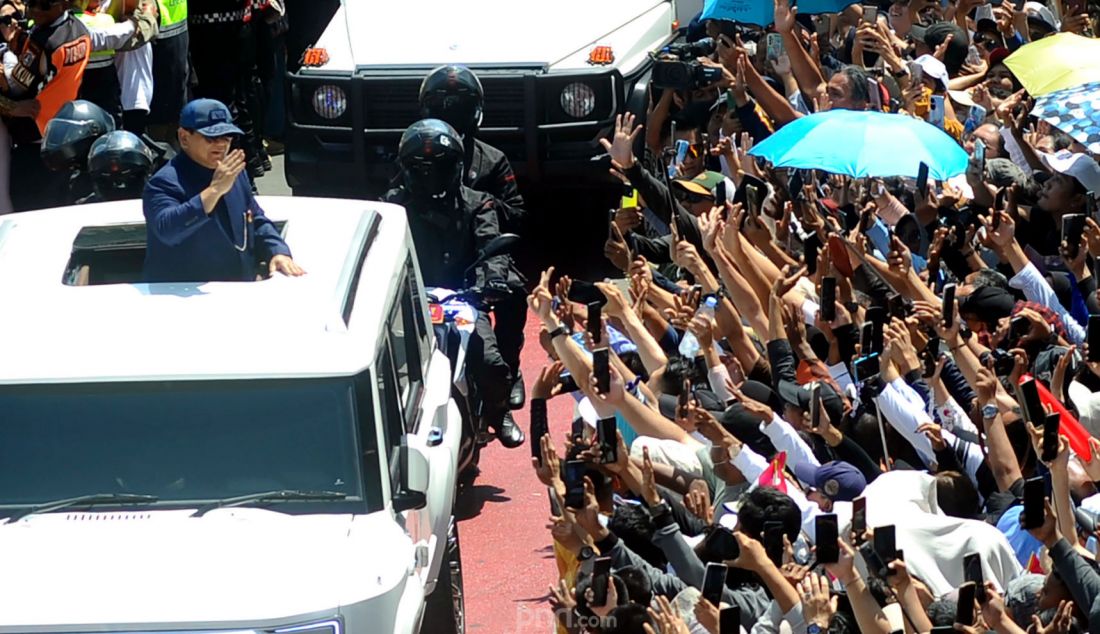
(508, 432)
(518, 397)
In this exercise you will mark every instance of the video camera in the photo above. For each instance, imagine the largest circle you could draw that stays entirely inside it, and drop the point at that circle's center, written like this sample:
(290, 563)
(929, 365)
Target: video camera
(687, 73)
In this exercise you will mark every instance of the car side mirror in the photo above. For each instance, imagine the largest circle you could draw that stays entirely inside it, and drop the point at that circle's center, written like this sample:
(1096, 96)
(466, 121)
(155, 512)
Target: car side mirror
(413, 469)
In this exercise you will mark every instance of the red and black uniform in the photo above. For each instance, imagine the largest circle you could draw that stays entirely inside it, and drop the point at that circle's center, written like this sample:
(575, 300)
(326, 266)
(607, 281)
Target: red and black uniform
(52, 58)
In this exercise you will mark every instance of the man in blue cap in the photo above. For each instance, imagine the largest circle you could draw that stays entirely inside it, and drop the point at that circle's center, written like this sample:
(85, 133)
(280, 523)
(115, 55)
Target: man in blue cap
(834, 481)
(202, 221)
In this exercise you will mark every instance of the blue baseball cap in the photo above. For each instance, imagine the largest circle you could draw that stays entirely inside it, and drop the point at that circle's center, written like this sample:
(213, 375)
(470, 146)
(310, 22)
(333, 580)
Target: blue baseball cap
(208, 117)
(838, 480)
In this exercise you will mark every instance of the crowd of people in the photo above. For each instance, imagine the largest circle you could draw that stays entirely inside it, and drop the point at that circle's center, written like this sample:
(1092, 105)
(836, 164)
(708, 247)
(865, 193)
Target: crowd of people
(814, 401)
(140, 62)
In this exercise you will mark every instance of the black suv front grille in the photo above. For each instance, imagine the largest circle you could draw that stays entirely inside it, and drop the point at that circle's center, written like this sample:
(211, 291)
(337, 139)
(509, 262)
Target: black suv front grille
(394, 103)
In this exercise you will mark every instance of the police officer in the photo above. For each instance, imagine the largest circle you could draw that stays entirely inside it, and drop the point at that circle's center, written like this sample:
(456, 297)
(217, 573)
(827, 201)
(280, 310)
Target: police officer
(170, 68)
(454, 95)
(450, 223)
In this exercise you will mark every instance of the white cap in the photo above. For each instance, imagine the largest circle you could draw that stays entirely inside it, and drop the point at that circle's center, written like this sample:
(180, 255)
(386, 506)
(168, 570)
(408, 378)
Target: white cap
(961, 97)
(1079, 166)
(1039, 11)
(933, 67)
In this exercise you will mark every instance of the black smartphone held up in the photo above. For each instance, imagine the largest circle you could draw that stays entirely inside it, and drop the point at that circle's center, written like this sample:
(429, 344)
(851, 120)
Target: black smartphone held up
(875, 565)
(886, 545)
(773, 542)
(1032, 404)
(720, 193)
(607, 434)
(595, 321)
(601, 367)
(1073, 225)
(1094, 338)
(811, 248)
(826, 537)
(683, 399)
(555, 506)
(795, 184)
(865, 337)
(865, 367)
(1034, 503)
(948, 306)
(751, 200)
(729, 620)
(922, 180)
(585, 292)
(568, 384)
(540, 426)
(828, 298)
(815, 405)
(714, 581)
(601, 574)
(720, 545)
(964, 611)
(574, 484)
(1050, 437)
(972, 573)
(859, 519)
(1018, 328)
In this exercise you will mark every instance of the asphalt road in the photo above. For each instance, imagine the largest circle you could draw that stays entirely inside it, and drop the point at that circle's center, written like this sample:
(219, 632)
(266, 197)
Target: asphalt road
(507, 559)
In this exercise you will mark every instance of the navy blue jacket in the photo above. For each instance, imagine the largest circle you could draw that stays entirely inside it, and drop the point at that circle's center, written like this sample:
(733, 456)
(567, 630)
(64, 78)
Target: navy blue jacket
(184, 244)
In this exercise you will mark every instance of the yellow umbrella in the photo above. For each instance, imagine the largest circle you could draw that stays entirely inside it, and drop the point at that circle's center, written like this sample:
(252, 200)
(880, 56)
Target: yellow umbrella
(1057, 62)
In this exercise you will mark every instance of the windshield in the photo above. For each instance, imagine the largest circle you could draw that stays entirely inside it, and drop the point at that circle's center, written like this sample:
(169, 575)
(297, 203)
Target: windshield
(179, 441)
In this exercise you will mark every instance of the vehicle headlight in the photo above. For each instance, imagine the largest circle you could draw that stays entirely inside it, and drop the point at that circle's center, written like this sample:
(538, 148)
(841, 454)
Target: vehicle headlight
(578, 100)
(330, 102)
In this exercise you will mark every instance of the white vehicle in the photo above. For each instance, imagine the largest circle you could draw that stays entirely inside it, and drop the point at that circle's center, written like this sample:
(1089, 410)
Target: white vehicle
(555, 76)
(264, 457)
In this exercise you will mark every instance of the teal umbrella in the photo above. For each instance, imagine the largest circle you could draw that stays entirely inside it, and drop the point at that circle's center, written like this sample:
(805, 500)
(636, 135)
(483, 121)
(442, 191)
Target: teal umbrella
(864, 143)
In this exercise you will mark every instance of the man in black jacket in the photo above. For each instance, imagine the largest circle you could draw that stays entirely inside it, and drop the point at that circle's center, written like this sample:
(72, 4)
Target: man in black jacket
(450, 224)
(454, 94)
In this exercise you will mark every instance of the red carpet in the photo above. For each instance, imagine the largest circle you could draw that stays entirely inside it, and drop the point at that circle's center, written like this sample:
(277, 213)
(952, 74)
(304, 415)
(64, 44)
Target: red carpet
(507, 559)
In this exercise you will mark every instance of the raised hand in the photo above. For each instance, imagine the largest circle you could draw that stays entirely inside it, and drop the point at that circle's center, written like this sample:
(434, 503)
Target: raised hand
(621, 145)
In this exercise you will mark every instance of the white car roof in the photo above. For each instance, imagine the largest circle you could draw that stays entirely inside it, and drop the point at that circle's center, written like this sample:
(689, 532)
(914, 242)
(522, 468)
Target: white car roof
(280, 327)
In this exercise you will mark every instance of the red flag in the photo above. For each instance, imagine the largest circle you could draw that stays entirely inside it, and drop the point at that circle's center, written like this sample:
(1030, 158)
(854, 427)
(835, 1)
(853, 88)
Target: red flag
(1069, 426)
(1033, 564)
(773, 475)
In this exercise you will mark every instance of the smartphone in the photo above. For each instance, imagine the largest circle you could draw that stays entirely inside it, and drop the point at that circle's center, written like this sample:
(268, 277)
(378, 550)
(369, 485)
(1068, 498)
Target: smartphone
(875, 565)
(584, 292)
(886, 545)
(1075, 7)
(720, 545)
(964, 611)
(826, 537)
(607, 435)
(574, 483)
(815, 405)
(1073, 225)
(936, 111)
(720, 193)
(1094, 338)
(875, 95)
(629, 199)
(795, 184)
(601, 367)
(1018, 5)
(977, 113)
(1018, 328)
(555, 507)
(916, 73)
(947, 308)
(729, 620)
(775, 45)
(859, 518)
(601, 573)
(714, 581)
(828, 298)
(972, 573)
(922, 180)
(595, 321)
(1050, 437)
(878, 345)
(979, 155)
(1034, 503)
(870, 14)
(539, 428)
(1031, 403)
(568, 383)
(773, 542)
(751, 200)
(931, 355)
(683, 399)
(811, 248)
(576, 431)
(877, 315)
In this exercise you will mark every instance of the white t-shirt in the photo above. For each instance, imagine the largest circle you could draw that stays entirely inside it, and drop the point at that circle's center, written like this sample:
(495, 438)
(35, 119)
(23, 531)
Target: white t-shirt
(135, 76)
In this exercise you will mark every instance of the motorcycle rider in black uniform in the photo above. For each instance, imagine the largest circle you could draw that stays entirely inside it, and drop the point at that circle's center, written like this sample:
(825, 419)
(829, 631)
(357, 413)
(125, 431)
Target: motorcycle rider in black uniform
(450, 224)
(454, 94)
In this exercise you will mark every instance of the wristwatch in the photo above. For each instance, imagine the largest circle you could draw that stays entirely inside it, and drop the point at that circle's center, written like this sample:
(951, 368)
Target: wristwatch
(562, 329)
(990, 410)
(814, 628)
(659, 508)
(586, 553)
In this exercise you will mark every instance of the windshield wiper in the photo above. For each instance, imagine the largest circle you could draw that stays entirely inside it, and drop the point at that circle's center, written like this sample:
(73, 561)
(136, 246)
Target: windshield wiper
(269, 496)
(83, 500)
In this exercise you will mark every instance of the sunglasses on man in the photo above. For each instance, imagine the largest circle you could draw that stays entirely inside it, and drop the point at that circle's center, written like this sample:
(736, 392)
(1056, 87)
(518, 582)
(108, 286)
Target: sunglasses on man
(691, 197)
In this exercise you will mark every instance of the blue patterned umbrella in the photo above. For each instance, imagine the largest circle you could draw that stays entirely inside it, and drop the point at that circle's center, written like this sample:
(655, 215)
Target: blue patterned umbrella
(761, 12)
(1075, 111)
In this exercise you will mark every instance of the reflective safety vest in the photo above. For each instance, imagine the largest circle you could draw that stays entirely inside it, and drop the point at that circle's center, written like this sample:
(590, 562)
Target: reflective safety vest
(173, 17)
(100, 58)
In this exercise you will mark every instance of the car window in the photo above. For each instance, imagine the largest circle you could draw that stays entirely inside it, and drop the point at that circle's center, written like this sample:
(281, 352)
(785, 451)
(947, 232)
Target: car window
(408, 337)
(393, 417)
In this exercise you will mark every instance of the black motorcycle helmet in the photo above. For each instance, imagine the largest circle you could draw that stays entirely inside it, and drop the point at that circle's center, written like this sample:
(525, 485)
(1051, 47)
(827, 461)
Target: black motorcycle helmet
(70, 134)
(453, 94)
(430, 156)
(119, 165)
